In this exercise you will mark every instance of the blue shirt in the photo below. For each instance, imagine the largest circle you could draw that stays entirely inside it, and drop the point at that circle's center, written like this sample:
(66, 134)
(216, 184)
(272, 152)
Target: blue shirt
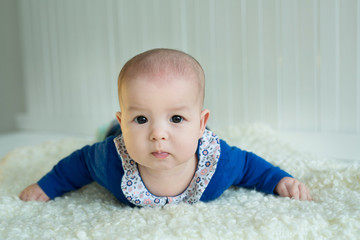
(102, 163)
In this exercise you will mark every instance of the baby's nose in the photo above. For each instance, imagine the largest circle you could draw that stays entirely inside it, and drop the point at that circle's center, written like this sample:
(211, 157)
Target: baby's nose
(158, 134)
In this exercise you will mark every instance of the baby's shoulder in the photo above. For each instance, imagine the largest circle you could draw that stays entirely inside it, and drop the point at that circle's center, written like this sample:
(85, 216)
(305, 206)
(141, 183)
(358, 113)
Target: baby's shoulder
(103, 153)
(104, 160)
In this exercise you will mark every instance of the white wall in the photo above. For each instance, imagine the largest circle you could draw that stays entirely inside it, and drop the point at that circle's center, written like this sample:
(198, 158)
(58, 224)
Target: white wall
(292, 64)
(11, 84)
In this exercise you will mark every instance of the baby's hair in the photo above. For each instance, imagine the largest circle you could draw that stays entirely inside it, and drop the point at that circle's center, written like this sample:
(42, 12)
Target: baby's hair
(162, 60)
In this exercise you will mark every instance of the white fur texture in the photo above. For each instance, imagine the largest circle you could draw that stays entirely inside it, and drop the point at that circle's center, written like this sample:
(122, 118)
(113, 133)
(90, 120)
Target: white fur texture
(93, 213)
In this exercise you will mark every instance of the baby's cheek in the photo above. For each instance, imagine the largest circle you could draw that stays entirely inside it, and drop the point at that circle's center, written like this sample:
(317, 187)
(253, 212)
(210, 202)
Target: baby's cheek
(189, 146)
(130, 144)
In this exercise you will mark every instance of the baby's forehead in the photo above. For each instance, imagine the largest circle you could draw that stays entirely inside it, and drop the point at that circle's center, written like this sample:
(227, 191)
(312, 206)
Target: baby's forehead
(154, 81)
(161, 65)
(158, 90)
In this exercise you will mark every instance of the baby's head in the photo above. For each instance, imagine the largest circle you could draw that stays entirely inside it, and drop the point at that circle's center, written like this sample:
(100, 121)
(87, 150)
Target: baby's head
(159, 62)
(161, 95)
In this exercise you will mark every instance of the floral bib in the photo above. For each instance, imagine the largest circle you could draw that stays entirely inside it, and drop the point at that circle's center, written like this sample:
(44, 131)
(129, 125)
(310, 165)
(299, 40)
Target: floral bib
(135, 191)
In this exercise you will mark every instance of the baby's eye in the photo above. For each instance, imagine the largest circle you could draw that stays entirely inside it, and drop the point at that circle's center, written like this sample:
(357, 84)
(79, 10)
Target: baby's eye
(140, 120)
(176, 119)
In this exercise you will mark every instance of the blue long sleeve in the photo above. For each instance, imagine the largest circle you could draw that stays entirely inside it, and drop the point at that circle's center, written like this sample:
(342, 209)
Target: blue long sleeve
(102, 163)
(99, 162)
(258, 173)
(243, 169)
(69, 174)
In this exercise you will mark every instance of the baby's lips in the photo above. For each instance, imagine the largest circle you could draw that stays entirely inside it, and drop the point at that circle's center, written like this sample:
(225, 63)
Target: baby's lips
(160, 155)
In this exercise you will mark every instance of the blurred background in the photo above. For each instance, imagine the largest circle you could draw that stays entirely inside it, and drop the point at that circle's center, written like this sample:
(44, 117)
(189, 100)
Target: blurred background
(293, 65)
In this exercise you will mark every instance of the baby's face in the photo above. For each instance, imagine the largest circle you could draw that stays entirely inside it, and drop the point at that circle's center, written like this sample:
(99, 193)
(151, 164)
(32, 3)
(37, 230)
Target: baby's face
(161, 120)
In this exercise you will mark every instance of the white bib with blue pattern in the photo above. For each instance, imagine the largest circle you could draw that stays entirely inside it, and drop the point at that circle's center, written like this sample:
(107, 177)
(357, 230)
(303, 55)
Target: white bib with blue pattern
(135, 191)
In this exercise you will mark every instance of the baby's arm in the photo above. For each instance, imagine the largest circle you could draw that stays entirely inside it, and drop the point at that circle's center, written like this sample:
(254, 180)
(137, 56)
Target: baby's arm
(71, 173)
(34, 193)
(253, 171)
(292, 188)
(80, 168)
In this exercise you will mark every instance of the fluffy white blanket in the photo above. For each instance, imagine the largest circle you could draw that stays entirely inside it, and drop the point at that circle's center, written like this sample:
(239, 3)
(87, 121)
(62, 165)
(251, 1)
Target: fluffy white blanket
(93, 213)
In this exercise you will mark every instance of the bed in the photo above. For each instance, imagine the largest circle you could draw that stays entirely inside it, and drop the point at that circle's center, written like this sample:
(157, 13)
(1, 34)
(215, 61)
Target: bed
(93, 213)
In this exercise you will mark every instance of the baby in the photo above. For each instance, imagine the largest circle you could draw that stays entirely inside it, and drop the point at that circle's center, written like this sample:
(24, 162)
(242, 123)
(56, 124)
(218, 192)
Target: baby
(165, 154)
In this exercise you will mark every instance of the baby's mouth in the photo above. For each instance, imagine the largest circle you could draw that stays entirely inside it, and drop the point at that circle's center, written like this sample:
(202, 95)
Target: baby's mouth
(160, 155)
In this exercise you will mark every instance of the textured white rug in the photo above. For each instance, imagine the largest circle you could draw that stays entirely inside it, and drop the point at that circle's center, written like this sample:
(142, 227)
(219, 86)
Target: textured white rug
(93, 213)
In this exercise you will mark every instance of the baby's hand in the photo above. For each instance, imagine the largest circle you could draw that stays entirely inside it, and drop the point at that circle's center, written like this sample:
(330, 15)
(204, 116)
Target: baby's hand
(34, 193)
(292, 188)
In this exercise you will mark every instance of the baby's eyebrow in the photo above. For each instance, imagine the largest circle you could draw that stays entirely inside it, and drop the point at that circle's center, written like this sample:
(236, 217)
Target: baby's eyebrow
(135, 108)
(181, 108)
(173, 109)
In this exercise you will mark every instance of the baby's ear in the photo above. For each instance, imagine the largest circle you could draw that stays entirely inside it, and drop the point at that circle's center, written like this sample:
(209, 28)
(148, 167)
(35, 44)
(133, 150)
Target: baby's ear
(204, 117)
(118, 117)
